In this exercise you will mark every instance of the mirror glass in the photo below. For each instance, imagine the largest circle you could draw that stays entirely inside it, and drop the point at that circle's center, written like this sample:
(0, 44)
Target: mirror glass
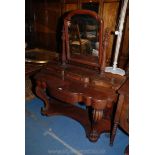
(83, 35)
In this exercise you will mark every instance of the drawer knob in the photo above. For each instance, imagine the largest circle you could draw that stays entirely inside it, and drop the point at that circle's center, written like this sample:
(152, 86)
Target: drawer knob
(60, 88)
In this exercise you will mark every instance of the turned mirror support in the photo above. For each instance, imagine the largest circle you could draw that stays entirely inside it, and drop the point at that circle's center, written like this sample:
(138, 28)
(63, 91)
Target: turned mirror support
(105, 45)
(63, 58)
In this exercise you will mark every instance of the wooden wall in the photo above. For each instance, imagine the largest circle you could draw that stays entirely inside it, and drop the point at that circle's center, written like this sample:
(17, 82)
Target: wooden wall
(123, 60)
(44, 16)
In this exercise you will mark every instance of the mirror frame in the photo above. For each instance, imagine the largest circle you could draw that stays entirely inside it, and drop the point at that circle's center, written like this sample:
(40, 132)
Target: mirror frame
(66, 55)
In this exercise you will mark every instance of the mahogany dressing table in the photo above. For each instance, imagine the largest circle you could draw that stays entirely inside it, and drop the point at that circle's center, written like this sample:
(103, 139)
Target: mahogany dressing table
(80, 78)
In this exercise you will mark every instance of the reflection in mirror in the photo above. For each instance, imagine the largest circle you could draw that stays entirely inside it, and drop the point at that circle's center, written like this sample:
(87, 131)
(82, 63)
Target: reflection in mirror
(83, 35)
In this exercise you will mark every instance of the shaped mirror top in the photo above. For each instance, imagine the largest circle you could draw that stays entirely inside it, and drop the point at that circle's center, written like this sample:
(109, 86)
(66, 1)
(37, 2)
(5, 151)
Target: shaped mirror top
(83, 38)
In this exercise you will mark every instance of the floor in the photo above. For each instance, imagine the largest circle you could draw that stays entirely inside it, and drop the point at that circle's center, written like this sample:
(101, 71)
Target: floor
(59, 135)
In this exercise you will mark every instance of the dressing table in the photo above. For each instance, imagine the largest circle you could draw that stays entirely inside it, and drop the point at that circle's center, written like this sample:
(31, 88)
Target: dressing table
(79, 77)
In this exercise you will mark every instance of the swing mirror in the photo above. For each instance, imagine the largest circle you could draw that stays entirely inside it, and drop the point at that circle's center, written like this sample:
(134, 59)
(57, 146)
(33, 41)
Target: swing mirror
(83, 37)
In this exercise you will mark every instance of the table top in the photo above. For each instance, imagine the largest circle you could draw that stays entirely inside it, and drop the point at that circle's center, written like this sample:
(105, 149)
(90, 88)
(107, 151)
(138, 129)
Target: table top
(40, 56)
(36, 59)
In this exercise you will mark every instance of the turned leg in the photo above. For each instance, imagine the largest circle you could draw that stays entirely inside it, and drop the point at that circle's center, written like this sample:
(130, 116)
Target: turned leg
(41, 93)
(116, 118)
(113, 133)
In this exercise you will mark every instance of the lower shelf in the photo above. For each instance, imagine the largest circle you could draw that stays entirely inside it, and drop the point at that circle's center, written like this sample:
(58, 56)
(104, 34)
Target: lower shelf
(83, 116)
